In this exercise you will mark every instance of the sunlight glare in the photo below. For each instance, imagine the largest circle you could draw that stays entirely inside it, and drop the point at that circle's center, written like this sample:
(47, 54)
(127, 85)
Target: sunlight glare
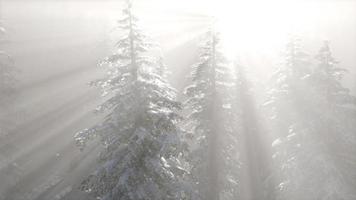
(254, 26)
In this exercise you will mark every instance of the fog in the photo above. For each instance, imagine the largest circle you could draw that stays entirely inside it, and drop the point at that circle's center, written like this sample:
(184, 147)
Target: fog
(56, 47)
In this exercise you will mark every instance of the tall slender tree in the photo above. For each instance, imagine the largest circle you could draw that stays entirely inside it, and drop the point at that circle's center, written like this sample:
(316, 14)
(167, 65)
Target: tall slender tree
(214, 159)
(307, 133)
(334, 119)
(143, 149)
(286, 103)
(327, 79)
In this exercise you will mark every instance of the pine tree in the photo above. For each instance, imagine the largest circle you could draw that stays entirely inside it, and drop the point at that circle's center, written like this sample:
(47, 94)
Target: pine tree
(286, 100)
(335, 116)
(214, 156)
(328, 79)
(143, 149)
(308, 134)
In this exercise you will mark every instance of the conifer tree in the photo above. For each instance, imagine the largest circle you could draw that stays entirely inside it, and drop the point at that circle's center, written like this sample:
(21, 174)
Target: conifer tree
(143, 149)
(214, 156)
(327, 79)
(286, 105)
(334, 118)
(307, 134)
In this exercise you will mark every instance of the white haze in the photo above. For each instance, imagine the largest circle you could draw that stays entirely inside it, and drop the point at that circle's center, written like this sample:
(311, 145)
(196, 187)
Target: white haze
(56, 46)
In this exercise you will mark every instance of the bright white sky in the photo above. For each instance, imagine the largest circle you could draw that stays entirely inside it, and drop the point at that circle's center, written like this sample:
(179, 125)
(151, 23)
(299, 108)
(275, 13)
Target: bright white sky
(257, 25)
(256, 29)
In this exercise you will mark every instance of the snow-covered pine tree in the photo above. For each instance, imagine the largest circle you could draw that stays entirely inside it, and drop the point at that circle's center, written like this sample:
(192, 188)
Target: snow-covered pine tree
(334, 120)
(307, 135)
(143, 149)
(328, 78)
(286, 105)
(214, 154)
(287, 82)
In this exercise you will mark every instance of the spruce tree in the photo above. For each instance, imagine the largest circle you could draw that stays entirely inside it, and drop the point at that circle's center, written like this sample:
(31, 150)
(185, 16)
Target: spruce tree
(327, 79)
(286, 100)
(335, 119)
(142, 146)
(214, 154)
(304, 103)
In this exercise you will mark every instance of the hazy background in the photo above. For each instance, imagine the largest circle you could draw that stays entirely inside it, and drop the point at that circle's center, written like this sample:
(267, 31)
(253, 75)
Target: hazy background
(57, 45)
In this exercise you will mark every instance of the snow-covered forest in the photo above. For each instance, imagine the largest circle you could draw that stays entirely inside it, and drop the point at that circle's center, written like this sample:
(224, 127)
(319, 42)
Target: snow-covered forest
(177, 100)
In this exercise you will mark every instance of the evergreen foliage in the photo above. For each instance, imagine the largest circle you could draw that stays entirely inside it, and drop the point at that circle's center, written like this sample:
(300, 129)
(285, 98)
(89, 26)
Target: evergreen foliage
(210, 99)
(309, 133)
(143, 148)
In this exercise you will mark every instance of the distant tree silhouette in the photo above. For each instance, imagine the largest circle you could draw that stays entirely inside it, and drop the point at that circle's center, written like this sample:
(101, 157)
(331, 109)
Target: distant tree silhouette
(306, 104)
(214, 156)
